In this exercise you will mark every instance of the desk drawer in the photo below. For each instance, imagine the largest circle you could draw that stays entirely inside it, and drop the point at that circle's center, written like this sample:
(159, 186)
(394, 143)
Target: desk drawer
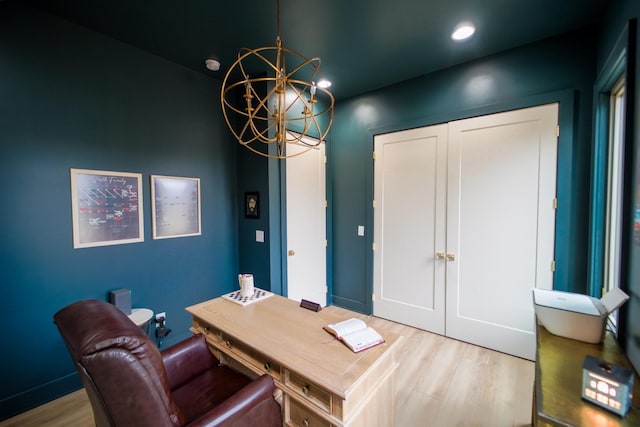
(300, 416)
(308, 390)
(210, 332)
(239, 350)
(259, 361)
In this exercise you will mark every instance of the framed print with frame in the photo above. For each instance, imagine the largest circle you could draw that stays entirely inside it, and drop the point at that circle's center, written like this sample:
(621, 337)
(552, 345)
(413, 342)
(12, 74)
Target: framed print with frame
(106, 208)
(175, 202)
(252, 205)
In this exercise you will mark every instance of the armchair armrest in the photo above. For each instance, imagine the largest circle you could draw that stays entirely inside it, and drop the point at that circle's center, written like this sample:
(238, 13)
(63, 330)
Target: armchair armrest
(252, 405)
(187, 360)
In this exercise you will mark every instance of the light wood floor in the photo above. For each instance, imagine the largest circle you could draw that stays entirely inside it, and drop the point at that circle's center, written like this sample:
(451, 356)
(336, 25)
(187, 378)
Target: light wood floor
(440, 382)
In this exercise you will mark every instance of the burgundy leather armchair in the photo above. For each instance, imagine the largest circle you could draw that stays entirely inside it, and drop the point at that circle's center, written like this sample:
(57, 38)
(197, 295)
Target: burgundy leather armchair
(131, 383)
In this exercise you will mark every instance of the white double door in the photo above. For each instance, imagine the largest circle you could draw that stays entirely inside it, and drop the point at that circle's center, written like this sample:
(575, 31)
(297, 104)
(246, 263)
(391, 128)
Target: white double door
(464, 226)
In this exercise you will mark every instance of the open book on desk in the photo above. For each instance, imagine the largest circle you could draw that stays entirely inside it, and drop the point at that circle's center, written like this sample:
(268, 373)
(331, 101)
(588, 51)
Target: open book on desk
(355, 334)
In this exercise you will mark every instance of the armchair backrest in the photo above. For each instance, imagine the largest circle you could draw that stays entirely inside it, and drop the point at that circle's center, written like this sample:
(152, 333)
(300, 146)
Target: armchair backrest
(119, 365)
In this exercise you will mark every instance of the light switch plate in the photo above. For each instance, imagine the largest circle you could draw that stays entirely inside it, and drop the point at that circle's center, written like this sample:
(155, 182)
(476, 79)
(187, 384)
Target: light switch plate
(361, 230)
(260, 236)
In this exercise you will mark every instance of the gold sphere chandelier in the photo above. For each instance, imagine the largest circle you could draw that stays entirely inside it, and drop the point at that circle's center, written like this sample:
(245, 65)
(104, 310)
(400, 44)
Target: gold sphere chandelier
(293, 107)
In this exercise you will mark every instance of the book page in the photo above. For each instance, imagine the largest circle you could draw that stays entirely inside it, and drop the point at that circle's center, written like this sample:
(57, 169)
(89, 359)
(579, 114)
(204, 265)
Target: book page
(346, 327)
(362, 339)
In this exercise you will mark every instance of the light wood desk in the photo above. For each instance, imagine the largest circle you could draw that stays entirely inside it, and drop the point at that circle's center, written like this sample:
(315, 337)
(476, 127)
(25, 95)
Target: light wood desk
(322, 383)
(557, 392)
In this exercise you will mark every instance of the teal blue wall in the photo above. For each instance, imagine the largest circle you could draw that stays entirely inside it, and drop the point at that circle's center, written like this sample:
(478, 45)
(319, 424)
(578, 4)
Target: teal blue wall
(559, 69)
(256, 257)
(70, 98)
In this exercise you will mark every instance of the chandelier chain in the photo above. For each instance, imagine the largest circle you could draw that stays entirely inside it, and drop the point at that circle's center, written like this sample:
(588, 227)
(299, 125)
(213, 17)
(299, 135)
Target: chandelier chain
(278, 18)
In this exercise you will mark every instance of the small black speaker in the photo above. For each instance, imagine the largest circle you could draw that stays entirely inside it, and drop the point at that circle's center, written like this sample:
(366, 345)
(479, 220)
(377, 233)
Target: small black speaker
(121, 298)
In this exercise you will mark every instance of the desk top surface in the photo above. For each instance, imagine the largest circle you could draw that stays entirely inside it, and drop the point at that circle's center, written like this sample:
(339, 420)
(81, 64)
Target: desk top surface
(294, 337)
(559, 382)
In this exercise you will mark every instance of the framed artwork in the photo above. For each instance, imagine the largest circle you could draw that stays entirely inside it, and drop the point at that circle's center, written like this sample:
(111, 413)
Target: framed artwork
(175, 202)
(252, 205)
(106, 208)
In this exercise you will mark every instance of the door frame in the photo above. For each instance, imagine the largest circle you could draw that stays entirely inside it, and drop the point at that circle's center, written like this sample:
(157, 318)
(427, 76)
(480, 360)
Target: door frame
(620, 62)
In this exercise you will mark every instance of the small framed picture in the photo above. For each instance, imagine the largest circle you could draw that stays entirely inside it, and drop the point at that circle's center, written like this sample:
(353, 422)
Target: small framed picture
(175, 202)
(252, 205)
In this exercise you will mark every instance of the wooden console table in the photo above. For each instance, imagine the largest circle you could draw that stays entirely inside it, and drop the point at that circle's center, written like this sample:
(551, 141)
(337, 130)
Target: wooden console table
(558, 383)
(321, 381)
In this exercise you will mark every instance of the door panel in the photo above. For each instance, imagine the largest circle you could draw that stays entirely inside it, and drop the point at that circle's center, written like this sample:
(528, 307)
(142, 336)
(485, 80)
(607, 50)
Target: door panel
(408, 280)
(306, 226)
(501, 187)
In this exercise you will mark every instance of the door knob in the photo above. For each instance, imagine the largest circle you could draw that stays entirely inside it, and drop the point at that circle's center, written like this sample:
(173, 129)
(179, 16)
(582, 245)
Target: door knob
(439, 255)
(291, 252)
(451, 257)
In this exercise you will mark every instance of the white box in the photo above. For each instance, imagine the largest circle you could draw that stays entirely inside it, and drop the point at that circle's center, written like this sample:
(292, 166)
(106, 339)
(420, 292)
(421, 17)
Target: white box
(576, 316)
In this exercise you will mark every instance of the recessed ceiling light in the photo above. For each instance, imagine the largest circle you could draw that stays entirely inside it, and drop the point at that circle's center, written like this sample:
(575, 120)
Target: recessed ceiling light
(324, 83)
(463, 31)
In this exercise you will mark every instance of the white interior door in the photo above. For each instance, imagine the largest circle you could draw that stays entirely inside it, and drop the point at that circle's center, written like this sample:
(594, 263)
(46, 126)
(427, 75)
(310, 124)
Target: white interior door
(306, 226)
(409, 227)
(464, 226)
(500, 225)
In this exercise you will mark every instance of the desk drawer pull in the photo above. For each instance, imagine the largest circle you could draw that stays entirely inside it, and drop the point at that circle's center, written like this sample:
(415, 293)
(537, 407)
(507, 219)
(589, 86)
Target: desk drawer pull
(305, 390)
(267, 367)
(305, 422)
(228, 343)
